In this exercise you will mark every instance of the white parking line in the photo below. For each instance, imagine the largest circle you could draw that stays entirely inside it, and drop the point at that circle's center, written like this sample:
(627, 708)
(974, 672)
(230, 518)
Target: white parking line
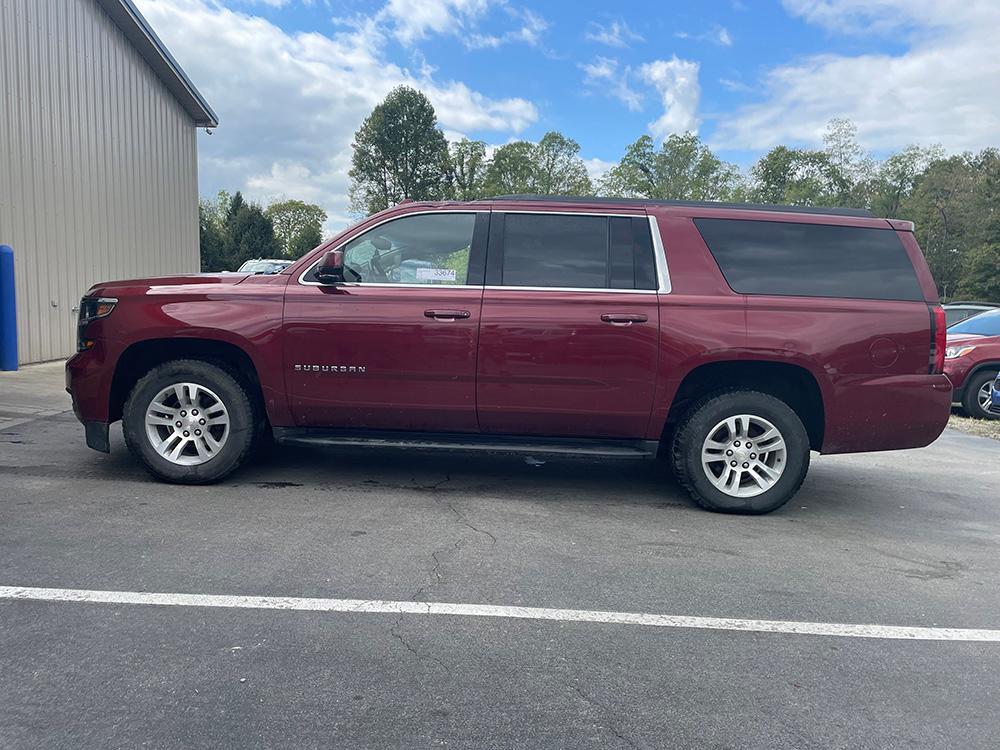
(375, 606)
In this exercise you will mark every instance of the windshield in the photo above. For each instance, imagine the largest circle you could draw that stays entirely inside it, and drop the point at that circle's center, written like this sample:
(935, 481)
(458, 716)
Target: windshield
(984, 324)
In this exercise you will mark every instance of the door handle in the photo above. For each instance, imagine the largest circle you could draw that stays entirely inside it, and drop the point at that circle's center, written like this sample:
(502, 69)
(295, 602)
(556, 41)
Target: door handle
(447, 314)
(624, 319)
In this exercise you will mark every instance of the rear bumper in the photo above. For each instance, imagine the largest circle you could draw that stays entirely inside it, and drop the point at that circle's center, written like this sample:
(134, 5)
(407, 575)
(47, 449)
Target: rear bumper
(886, 412)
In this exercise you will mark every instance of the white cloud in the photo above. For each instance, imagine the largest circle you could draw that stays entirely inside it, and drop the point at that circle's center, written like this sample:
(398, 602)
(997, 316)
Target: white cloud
(614, 34)
(731, 84)
(411, 21)
(717, 35)
(289, 104)
(604, 75)
(677, 83)
(940, 90)
(529, 31)
(597, 168)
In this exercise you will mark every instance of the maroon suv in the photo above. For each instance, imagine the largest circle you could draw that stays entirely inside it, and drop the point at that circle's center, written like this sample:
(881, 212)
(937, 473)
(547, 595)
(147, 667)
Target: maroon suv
(734, 339)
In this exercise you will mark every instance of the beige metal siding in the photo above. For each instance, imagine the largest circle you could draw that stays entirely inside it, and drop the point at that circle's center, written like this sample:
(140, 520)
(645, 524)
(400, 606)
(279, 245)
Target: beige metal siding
(98, 165)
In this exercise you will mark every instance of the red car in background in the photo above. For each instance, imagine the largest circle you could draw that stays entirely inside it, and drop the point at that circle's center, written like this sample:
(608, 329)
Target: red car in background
(972, 361)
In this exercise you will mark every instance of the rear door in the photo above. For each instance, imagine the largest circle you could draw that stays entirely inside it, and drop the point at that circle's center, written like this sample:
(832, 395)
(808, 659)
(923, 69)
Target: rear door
(569, 328)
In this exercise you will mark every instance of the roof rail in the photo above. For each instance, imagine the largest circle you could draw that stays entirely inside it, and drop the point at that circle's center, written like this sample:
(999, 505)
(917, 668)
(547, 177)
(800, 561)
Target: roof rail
(823, 210)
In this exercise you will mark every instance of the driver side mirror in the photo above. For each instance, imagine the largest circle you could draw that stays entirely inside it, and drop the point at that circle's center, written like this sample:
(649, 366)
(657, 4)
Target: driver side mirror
(331, 268)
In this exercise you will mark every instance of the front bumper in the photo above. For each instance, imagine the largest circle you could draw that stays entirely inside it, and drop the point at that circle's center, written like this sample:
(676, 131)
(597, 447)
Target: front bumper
(957, 371)
(88, 382)
(97, 436)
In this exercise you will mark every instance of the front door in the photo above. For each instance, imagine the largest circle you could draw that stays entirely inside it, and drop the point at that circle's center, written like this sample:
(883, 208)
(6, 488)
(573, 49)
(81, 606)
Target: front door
(394, 346)
(568, 339)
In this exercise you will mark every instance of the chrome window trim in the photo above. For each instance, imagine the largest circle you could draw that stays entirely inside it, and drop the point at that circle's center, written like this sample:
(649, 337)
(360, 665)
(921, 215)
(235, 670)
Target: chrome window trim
(637, 215)
(660, 259)
(660, 256)
(592, 289)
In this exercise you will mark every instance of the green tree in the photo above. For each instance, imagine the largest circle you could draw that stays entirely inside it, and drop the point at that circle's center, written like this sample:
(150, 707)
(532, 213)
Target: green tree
(799, 177)
(249, 234)
(948, 222)
(232, 205)
(511, 170)
(683, 168)
(558, 168)
(892, 181)
(980, 276)
(467, 165)
(290, 219)
(212, 243)
(399, 152)
(308, 238)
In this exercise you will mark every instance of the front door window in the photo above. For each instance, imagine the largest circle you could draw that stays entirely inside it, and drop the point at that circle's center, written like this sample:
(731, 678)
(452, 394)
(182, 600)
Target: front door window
(427, 249)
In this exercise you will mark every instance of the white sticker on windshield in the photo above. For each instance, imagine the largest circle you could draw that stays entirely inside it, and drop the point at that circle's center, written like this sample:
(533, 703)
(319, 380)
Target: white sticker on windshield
(436, 274)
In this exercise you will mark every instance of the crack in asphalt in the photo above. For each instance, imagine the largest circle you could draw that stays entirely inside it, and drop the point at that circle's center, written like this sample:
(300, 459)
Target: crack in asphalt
(607, 711)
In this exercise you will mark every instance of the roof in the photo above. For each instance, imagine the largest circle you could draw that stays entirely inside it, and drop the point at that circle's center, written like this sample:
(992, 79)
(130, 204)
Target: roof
(822, 210)
(138, 31)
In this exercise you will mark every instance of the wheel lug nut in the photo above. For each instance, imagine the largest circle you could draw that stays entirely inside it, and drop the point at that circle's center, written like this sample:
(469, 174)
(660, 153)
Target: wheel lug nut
(201, 421)
(178, 423)
(197, 432)
(753, 455)
(746, 466)
(184, 413)
(737, 443)
(748, 444)
(733, 463)
(728, 453)
(195, 412)
(187, 434)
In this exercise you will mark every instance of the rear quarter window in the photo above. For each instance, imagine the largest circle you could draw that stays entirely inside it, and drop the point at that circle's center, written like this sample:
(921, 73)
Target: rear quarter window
(810, 260)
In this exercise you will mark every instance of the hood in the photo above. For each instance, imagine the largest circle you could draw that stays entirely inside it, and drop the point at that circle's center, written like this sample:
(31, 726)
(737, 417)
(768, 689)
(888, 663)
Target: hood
(109, 288)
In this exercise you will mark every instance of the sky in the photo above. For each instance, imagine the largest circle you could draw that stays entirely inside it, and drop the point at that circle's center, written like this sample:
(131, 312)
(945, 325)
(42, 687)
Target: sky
(291, 80)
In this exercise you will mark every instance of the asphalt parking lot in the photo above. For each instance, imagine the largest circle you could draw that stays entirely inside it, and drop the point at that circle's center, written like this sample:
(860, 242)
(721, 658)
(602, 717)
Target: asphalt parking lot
(895, 539)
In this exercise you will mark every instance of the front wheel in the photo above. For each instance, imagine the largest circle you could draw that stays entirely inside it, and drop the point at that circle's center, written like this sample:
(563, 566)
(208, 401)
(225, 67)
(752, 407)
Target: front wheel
(189, 422)
(976, 401)
(741, 451)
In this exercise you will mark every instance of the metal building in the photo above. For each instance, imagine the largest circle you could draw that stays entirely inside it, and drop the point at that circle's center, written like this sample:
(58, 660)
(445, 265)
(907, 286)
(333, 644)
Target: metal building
(98, 158)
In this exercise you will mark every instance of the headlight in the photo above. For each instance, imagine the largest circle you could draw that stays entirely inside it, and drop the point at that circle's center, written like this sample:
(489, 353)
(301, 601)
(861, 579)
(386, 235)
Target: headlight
(91, 308)
(953, 352)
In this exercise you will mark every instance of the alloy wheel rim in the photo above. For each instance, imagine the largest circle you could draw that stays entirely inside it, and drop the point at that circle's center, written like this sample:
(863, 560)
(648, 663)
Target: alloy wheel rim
(986, 395)
(187, 424)
(744, 455)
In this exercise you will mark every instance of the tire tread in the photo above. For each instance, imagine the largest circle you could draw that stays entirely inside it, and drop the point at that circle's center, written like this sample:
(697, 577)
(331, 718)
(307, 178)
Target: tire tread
(131, 439)
(683, 434)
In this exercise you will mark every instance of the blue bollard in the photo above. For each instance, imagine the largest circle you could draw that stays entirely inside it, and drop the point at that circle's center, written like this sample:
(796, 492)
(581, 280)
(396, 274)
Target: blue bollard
(8, 315)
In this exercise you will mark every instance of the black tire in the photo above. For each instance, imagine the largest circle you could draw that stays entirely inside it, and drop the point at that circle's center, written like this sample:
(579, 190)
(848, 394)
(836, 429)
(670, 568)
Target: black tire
(970, 397)
(243, 422)
(699, 422)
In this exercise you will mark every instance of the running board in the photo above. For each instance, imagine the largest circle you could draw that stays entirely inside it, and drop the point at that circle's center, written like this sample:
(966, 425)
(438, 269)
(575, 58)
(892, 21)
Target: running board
(543, 446)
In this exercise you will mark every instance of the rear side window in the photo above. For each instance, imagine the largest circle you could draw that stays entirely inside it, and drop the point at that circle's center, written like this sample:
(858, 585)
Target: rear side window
(579, 252)
(810, 260)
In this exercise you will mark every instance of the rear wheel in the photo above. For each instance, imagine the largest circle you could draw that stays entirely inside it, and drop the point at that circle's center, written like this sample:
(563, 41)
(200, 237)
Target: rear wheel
(976, 399)
(189, 422)
(741, 451)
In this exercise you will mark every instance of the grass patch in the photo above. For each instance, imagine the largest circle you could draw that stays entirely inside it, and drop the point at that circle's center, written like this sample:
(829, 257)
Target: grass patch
(983, 427)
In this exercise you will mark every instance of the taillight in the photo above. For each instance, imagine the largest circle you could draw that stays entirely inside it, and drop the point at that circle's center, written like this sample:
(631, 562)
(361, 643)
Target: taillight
(939, 339)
